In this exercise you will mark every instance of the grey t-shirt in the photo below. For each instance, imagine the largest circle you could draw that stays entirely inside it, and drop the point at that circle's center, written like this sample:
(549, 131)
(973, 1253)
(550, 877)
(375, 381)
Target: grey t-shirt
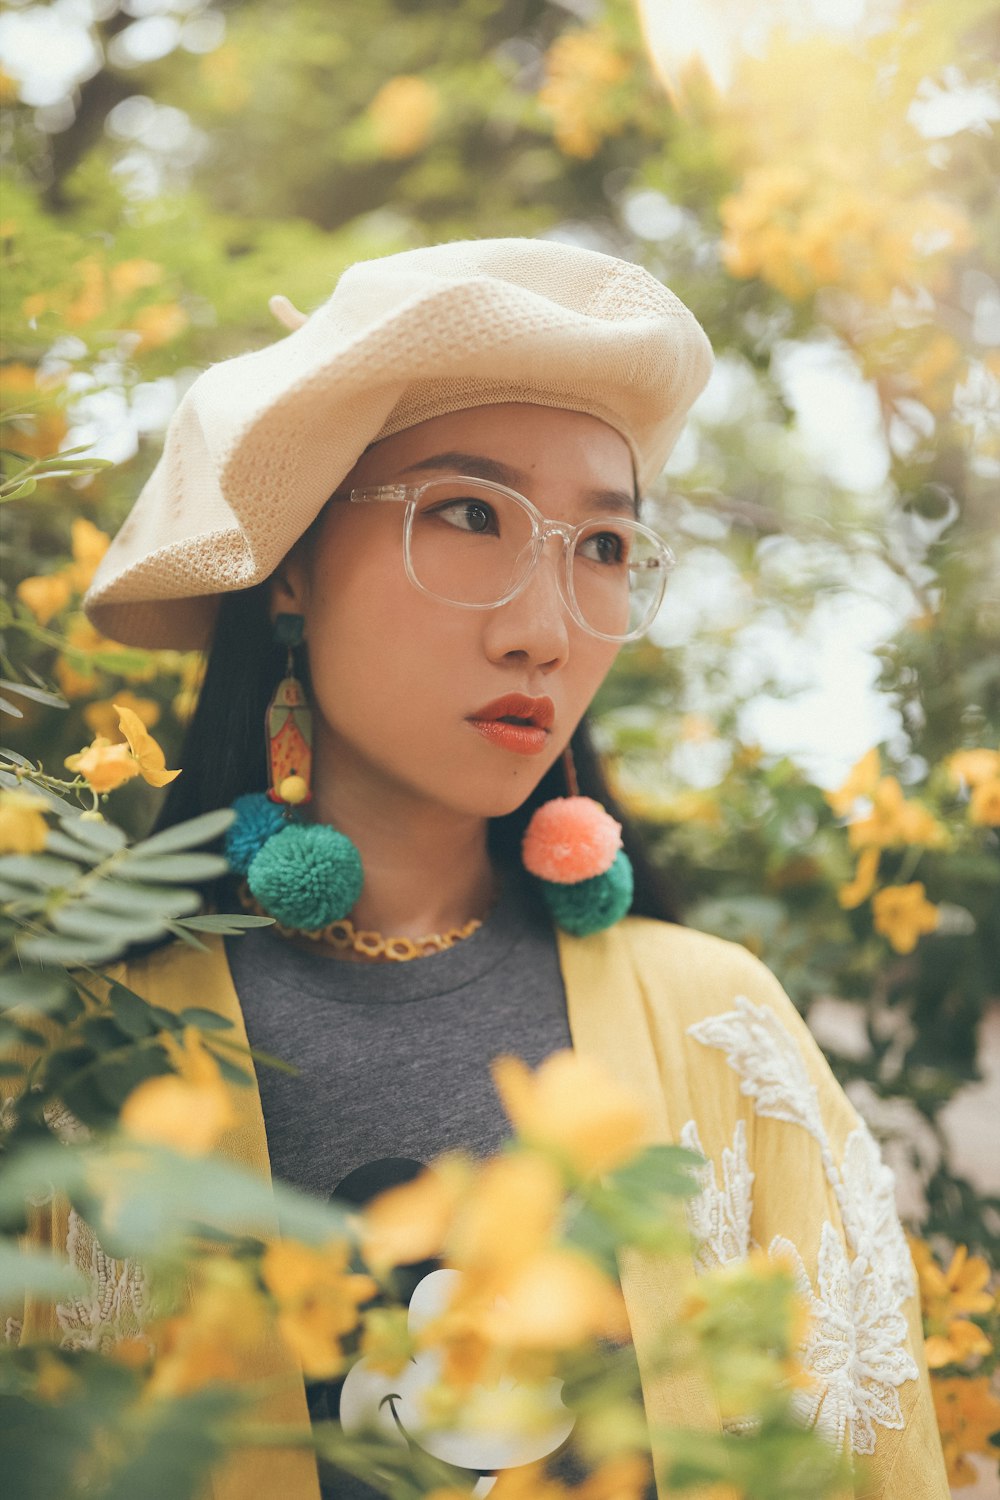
(393, 1062)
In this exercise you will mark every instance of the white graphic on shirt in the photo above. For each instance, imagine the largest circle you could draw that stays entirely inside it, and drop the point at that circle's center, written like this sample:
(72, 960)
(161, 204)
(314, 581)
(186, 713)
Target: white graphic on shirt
(855, 1348)
(394, 1404)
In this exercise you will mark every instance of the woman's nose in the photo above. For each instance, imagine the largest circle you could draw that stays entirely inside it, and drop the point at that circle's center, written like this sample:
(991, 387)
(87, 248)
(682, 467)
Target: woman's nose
(533, 626)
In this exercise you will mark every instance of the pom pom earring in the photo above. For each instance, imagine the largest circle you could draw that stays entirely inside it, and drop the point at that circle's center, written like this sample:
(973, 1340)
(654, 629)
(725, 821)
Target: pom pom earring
(306, 875)
(573, 847)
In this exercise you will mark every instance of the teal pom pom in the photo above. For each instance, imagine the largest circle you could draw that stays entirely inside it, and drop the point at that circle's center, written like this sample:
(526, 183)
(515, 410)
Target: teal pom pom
(307, 875)
(257, 818)
(591, 905)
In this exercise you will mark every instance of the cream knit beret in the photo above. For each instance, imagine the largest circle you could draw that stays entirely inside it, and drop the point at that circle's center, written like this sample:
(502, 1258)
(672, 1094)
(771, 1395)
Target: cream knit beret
(259, 442)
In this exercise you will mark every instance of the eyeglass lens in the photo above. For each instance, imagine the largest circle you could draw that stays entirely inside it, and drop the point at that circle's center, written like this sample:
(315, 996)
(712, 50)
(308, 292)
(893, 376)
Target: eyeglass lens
(472, 545)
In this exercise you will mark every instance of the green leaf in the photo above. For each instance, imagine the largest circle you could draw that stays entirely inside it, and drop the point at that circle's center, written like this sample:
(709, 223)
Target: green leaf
(58, 843)
(91, 923)
(141, 900)
(205, 1020)
(102, 1033)
(155, 1196)
(39, 870)
(169, 867)
(13, 1032)
(33, 990)
(37, 695)
(660, 1169)
(17, 758)
(132, 1015)
(22, 894)
(230, 923)
(195, 831)
(187, 937)
(10, 708)
(70, 951)
(106, 837)
(34, 1273)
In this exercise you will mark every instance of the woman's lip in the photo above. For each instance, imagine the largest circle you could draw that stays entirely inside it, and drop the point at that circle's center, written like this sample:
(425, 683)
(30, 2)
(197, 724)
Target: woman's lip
(541, 712)
(522, 739)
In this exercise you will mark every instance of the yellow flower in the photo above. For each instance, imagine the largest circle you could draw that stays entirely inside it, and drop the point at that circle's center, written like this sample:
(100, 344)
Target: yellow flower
(895, 821)
(90, 302)
(23, 830)
(860, 888)
(973, 766)
(187, 1110)
(103, 765)
(102, 717)
(582, 69)
(89, 544)
(80, 682)
(861, 782)
(403, 113)
(223, 1323)
(945, 1294)
(45, 594)
(509, 1214)
(130, 276)
(149, 757)
(39, 433)
(984, 805)
(386, 1342)
(318, 1300)
(555, 1300)
(964, 1340)
(902, 914)
(159, 323)
(572, 1107)
(968, 1414)
(410, 1222)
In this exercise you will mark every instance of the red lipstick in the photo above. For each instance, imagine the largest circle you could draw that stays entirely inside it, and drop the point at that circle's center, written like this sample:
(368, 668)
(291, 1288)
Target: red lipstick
(515, 722)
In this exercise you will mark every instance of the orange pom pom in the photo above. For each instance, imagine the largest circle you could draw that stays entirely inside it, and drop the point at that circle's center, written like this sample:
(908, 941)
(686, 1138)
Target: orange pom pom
(570, 839)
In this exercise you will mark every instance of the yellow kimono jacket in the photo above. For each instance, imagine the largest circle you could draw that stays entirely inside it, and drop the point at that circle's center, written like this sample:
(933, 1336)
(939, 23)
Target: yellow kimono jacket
(706, 1037)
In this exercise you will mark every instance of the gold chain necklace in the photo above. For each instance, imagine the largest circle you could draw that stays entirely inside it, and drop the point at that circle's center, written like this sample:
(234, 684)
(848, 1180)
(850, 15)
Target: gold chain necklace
(343, 936)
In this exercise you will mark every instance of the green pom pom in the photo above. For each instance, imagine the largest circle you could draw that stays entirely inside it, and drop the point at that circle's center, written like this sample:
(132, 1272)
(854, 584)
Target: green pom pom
(257, 820)
(306, 876)
(591, 905)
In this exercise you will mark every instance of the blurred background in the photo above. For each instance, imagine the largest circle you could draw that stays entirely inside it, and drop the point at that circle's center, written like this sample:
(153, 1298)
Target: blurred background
(811, 734)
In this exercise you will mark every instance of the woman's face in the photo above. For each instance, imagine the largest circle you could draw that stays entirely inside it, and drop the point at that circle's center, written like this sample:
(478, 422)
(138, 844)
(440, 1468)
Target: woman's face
(400, 679)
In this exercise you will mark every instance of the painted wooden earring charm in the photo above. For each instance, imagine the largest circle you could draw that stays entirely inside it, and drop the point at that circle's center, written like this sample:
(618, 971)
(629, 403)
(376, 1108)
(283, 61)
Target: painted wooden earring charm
(289, 725)
(306, 875)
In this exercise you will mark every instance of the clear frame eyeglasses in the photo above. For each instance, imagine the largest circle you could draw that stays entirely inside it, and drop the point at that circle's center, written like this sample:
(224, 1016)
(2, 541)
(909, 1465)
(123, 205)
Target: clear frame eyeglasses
(474, 544)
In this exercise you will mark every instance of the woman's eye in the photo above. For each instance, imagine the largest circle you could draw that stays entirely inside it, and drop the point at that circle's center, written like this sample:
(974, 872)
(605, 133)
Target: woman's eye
(469, 515)
(603, 547)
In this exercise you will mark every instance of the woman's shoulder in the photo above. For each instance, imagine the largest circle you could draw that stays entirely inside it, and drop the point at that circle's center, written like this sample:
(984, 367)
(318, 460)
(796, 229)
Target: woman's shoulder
(725, 1010)
(698, 970)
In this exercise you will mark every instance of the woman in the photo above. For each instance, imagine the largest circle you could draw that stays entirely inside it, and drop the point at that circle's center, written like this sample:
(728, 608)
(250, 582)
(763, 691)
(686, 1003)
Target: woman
(415, 519)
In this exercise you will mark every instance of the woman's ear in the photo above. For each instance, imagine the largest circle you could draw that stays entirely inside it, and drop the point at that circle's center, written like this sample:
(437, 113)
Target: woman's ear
(289, 588)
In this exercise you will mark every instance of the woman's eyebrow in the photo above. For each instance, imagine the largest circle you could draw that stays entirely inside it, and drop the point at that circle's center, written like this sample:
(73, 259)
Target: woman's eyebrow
(479, 466)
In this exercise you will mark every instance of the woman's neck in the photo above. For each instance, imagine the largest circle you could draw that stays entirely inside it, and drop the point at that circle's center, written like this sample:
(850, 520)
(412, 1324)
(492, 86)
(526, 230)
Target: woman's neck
(426, 868)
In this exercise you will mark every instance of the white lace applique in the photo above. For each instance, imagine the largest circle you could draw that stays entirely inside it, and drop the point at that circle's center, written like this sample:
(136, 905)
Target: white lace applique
(115, 1304)
(856, 1346)
(868, 1204)
(770, 1066)
(719, 1218)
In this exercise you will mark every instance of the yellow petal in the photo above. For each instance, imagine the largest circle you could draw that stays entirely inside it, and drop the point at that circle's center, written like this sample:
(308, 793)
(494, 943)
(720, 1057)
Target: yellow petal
(150, 758)
(573, 1107)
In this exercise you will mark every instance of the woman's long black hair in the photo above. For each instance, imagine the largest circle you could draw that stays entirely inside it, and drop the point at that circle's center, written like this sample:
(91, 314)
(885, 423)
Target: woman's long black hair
(223, 754)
